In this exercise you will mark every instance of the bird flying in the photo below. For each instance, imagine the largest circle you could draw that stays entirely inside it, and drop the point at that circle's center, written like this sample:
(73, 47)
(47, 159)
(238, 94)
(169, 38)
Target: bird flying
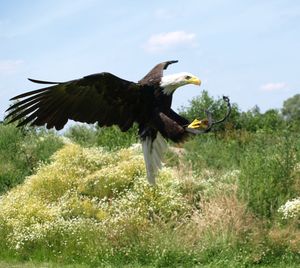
(106, 99)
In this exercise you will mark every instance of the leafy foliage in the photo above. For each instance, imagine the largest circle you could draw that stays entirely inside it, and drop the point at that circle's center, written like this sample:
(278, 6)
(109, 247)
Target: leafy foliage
(21, 150)
(253, 120)
(291, 112)
(106, 137)
(291, 108)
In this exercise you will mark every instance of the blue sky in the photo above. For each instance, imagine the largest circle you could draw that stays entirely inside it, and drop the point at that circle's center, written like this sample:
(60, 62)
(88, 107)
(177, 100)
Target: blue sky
(249, 50)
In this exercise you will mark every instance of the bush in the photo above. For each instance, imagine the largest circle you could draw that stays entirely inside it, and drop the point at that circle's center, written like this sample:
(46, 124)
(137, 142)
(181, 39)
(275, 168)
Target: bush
(267, 173)
(85, 205)
(21, 150)
(114, 138)
(83, 134)
(106, 137)
(253, 120)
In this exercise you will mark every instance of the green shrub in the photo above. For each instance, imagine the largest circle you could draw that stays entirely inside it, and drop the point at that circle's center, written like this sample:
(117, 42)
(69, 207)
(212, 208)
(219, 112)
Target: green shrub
(114, 138)
(267, 173)
(85, 135)
(12, 164)
(21, 150)
(106, 137)
(253, 120)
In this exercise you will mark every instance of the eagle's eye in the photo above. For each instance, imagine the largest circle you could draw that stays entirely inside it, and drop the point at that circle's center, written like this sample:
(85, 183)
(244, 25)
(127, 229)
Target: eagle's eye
(187, 77)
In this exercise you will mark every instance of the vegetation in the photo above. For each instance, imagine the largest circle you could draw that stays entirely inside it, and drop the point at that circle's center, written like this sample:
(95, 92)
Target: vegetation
(110, 138)
(21, 151)
(228, 198)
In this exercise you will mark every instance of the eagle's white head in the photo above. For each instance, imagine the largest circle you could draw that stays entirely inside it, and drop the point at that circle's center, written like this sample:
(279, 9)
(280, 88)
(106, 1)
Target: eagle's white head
(170, 83)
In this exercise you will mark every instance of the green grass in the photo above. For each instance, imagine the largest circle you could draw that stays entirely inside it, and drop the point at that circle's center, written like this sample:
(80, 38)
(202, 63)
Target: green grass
(14, 264)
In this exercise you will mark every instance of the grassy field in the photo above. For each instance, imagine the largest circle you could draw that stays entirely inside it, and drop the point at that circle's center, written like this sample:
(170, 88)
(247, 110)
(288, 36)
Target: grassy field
(83, 201)
(34, 264)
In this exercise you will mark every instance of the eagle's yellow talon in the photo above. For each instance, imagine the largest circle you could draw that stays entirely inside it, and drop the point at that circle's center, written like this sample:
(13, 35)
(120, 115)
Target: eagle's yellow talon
(196, 124)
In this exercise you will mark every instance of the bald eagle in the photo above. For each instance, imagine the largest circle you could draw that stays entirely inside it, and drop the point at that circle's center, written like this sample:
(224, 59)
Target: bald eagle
(109, 100)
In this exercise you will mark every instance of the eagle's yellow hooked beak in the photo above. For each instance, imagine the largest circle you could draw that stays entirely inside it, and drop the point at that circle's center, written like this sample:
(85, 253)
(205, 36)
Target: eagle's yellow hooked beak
(195, 80)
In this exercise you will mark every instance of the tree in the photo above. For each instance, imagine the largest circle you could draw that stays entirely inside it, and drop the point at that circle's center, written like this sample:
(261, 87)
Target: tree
(291, 109)
(273, 120)
(253, 120)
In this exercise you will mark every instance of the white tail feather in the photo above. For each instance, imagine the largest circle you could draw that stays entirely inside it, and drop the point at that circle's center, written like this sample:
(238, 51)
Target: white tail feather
(153, 153)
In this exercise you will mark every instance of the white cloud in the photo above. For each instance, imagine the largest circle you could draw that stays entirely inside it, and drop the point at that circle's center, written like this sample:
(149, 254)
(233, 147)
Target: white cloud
(164, 41)
(9, 66)
(274, 86)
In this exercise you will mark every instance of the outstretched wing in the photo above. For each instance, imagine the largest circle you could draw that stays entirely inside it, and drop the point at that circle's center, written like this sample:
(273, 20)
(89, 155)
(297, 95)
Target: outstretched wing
(103, 98)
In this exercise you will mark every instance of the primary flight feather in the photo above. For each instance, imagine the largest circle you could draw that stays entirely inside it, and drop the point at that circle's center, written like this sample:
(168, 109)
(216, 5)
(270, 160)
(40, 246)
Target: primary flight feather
(109, 100)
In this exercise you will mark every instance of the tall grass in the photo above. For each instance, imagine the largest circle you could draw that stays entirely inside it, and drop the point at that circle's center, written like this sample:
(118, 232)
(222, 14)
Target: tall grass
(267, 177)
(219, 151)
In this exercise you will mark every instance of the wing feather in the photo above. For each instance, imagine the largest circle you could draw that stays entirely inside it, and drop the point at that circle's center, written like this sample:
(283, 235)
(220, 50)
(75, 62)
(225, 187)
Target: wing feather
(103, 98)
(29, 93)
(19, 103)
(43, 82)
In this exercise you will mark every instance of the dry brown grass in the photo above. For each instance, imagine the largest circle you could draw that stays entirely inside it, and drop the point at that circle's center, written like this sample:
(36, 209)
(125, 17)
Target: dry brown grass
(220, 220)
(224, 215)
(285, 237)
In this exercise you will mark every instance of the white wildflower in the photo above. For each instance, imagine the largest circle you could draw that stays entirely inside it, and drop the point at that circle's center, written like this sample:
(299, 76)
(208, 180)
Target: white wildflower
(291, 209)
